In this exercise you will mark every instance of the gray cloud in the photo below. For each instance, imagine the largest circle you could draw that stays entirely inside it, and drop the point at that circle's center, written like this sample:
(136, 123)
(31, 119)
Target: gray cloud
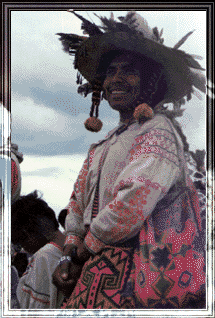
(38, 129)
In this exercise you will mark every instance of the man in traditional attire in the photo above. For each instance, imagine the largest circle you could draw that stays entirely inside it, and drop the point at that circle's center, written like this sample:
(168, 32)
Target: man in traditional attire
(134, 236)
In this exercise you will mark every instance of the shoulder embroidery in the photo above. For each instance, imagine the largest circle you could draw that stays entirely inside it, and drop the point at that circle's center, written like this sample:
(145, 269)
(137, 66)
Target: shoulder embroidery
(159, 142)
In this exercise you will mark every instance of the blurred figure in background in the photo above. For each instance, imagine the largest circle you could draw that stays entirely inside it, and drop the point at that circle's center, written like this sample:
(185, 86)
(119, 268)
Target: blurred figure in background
(14, 280)
(35, 227)
(16, 159)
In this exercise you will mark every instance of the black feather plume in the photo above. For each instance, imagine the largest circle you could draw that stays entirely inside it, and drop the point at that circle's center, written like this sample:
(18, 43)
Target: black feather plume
(70, 42)
(108, 24)
(126, 24)
(65, 40)
(179, 43)
(190, 61)
(128, 18)
(89, 27)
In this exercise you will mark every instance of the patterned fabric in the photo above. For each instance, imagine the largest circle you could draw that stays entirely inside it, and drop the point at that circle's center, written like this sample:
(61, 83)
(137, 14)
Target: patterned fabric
(35, 289)
(102, 280)
(169, 263)
(134, 175)
(168, 266)
(14, 284)
(73, 239)
(145, 193)
(15, 187)
(15, 172)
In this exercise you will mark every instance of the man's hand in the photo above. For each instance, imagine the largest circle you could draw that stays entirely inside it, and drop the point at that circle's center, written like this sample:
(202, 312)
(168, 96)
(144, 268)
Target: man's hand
(66, 276)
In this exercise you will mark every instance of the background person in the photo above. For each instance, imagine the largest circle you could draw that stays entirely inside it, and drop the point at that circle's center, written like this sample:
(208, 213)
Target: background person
(16, 160)
(14, 280)
(35, 228)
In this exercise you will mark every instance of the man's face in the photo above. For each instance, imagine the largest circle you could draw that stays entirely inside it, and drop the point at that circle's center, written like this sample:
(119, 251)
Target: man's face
(122, 83)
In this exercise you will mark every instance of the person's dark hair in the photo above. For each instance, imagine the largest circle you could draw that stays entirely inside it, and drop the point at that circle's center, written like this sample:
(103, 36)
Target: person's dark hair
(199, 157)
(182, 135)
(154, 86)
(172, 114)
(62, 217)
(25, 213)
(20, 261)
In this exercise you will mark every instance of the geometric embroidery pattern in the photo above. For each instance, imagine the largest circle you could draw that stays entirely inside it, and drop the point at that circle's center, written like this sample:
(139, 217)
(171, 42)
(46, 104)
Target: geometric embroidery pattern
(102, 281)
(163, 285)
(163, 275)
(161, 257)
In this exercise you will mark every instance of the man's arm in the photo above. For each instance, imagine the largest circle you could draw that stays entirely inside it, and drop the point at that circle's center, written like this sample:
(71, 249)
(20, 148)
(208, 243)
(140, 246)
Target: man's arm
(153, 168)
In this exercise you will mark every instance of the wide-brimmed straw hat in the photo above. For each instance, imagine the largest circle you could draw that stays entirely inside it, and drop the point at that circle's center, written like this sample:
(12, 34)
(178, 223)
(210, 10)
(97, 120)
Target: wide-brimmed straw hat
(181, 70)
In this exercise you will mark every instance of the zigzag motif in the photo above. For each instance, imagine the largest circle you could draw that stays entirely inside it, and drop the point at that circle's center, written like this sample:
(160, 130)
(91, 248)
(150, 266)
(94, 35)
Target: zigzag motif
(119, 254)
(128, 304)
(81, 303)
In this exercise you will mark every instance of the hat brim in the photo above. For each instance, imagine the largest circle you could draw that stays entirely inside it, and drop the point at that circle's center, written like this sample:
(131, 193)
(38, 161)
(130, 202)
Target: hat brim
(175, 63)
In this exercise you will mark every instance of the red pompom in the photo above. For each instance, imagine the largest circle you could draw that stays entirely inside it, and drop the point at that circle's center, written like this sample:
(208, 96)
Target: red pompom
(93, 124)
(143, 111)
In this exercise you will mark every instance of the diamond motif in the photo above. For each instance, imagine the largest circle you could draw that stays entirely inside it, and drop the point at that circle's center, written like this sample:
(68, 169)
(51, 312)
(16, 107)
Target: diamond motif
(162, 285)
(183, 250)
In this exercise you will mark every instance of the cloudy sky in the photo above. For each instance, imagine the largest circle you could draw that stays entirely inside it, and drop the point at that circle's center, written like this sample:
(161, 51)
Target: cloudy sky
(47, 112)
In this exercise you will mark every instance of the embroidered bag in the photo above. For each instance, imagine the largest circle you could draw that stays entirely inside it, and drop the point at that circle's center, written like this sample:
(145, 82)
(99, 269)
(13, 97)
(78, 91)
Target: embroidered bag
(169, 264)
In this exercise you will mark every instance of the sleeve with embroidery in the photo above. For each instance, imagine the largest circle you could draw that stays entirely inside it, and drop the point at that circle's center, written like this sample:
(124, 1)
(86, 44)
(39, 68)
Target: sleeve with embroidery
(35, 286)
(75, 229)
(153, 168)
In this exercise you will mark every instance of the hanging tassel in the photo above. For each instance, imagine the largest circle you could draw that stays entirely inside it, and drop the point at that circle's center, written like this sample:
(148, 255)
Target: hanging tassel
(93, 123)
(143, 111)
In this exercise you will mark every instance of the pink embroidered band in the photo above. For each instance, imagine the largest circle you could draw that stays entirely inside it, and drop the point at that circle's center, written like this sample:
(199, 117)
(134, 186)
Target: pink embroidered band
(94, 244)
(73, 239)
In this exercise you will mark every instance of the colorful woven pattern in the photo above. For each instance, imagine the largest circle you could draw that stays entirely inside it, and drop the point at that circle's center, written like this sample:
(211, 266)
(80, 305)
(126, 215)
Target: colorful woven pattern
(102, 281)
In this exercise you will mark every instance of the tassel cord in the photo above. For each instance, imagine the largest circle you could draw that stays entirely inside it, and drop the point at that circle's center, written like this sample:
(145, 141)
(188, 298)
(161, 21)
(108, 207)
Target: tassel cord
(92, 109)
(97, 111)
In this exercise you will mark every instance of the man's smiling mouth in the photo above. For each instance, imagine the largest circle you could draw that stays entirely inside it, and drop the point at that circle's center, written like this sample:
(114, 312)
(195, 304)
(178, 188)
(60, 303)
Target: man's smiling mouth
(118, 92)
